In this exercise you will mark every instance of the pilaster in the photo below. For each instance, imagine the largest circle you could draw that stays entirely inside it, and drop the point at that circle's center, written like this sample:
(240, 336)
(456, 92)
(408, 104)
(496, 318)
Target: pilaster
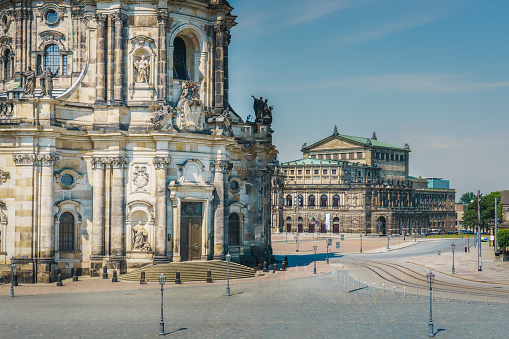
(47, 227)
(161, 165)
(221, 65)
(118, 206)
(100, 88)
(119, 19)
(220, 168)
(162, 20)
(99, 165)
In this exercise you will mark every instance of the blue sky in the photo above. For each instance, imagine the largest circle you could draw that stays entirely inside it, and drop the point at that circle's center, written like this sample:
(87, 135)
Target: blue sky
(431, 73)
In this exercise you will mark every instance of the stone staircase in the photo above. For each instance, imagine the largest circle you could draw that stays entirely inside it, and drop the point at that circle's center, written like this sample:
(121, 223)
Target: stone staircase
(190, 271)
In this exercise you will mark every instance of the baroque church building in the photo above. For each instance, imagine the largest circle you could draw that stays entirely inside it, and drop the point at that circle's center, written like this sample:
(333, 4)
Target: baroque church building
(357, 185)
(118, 146)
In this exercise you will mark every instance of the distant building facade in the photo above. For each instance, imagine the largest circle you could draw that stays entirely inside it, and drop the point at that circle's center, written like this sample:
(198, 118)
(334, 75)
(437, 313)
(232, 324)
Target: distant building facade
(354, 184)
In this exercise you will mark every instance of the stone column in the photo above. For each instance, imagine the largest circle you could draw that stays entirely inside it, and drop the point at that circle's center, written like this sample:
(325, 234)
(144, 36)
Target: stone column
(162, 19)
(119, 58)
(47, 236)
(220, 65)
(98, 208)
(220, 167)
(100, 88)
(16, 68)
(117, 207)
(161, 165)
(76, 14)
(110, 60)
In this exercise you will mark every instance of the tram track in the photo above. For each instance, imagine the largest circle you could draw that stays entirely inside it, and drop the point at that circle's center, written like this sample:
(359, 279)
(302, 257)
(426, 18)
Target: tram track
(406, 276)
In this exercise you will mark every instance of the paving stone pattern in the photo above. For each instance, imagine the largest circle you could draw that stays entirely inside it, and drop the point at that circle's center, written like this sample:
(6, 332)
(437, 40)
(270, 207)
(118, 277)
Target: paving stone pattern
(309, 307)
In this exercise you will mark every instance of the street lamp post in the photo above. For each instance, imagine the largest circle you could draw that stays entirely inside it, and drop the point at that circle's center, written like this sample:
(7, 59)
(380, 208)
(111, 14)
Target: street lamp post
(315, 247)
(228, 257)
(431, 278)
(388, 239)
(162, 280)
(12, 276)
(361, 242)
(479, 259)
(453, 246)
(297, 203)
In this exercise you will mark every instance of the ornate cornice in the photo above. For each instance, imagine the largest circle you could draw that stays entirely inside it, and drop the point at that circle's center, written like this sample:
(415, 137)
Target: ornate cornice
(101, 19)
(115, 162)
(47, 159)
(99, 163)
(24, 159)
(161, 163)
(77, 12)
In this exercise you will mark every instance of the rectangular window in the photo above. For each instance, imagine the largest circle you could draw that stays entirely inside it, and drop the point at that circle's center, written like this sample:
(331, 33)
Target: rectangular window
(328, 156)
(392, 156)
(313, 156)
(359, 155)
(333, 171)
(324, 172)
(336, 156)
(292, 172)
(64, 64)
(299, 172)
(343, 156)
(316, 172)
(351, 155)
(308, 172)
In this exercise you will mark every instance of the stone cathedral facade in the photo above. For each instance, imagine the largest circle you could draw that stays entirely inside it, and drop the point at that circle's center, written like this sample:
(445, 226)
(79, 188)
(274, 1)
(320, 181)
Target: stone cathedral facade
(118, 146)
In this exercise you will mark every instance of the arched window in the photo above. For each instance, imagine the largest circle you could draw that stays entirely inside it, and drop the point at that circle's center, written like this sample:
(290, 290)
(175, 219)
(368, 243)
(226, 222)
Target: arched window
(66, 232)
(180, 60)
(7, 64)
(335, 225)
(301, 200)
(234, 230)
(323, 201)
(300, 225)
(288, 224)
(335, 201)
(289, 200)
(311, 200)
(52, 58)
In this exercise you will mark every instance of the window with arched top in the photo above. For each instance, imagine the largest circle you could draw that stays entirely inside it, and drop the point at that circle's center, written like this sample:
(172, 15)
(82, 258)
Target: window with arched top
(180, 70)
(323, 201)
(234, 230)
(288, 224)
(335, 225)
(311, 200)
(66, 232)
(335, 201)
(289, 200)
(7, 64)
(52, 58)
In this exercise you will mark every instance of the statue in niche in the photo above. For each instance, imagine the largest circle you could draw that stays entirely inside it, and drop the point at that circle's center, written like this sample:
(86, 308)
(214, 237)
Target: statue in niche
(142, 66)
(140, 234)
(47, 82)
(29, 81)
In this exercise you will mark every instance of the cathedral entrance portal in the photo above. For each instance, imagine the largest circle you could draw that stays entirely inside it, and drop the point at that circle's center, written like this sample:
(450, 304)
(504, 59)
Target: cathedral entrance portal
(191, 230)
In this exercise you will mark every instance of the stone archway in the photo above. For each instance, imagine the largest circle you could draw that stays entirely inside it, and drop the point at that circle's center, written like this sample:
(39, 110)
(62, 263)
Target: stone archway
(381, 225)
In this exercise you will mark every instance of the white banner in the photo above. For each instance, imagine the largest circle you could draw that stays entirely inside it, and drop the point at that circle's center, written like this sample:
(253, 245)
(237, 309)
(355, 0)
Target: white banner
(327, 221)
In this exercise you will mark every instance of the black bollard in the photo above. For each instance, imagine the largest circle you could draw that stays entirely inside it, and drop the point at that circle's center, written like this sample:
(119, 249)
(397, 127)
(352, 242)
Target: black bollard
(265, 269)
(105, 272)
(275, 268)
(59, 280)
(74, 274)
(209, 276)
(114, 279)
(177, 278)
(15, 278)
(142, 278)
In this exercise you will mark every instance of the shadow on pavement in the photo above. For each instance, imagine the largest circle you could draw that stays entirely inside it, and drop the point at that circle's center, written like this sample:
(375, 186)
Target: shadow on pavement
(180, 329)
(305, 259)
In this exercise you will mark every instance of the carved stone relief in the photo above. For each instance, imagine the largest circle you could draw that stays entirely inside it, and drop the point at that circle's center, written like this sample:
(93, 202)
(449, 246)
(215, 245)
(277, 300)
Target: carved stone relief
(140, 178)
(190, 116)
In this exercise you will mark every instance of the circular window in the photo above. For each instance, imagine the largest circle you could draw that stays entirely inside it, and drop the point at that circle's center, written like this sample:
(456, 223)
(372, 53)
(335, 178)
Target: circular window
(67, 179)
(51, 16)
(234, 185)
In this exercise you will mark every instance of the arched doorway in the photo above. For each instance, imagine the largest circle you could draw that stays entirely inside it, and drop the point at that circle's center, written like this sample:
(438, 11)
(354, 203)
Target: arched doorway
(381, 225)
(300, 225)
(288, 224)
(66, 233)
(323, 227)
(311, 226)
(234, 230)
(335, 225)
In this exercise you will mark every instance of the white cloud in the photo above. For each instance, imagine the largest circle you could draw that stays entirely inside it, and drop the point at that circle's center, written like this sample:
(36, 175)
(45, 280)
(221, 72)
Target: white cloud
(422, 83)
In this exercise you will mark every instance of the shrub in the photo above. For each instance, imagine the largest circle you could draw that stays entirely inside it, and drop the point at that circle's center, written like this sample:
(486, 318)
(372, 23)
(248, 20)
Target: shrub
(503, 238)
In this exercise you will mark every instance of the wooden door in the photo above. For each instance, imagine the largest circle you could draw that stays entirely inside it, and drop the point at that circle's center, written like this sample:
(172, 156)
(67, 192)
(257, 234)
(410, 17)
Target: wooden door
(191, 231)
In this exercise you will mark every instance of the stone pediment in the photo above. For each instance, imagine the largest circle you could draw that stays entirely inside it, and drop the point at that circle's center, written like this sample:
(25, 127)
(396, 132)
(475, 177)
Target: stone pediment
(334, 144)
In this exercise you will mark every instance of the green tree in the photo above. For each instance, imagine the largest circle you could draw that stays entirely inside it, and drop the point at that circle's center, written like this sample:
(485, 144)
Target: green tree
(503, 239)
(466, 198)
(487, 210)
